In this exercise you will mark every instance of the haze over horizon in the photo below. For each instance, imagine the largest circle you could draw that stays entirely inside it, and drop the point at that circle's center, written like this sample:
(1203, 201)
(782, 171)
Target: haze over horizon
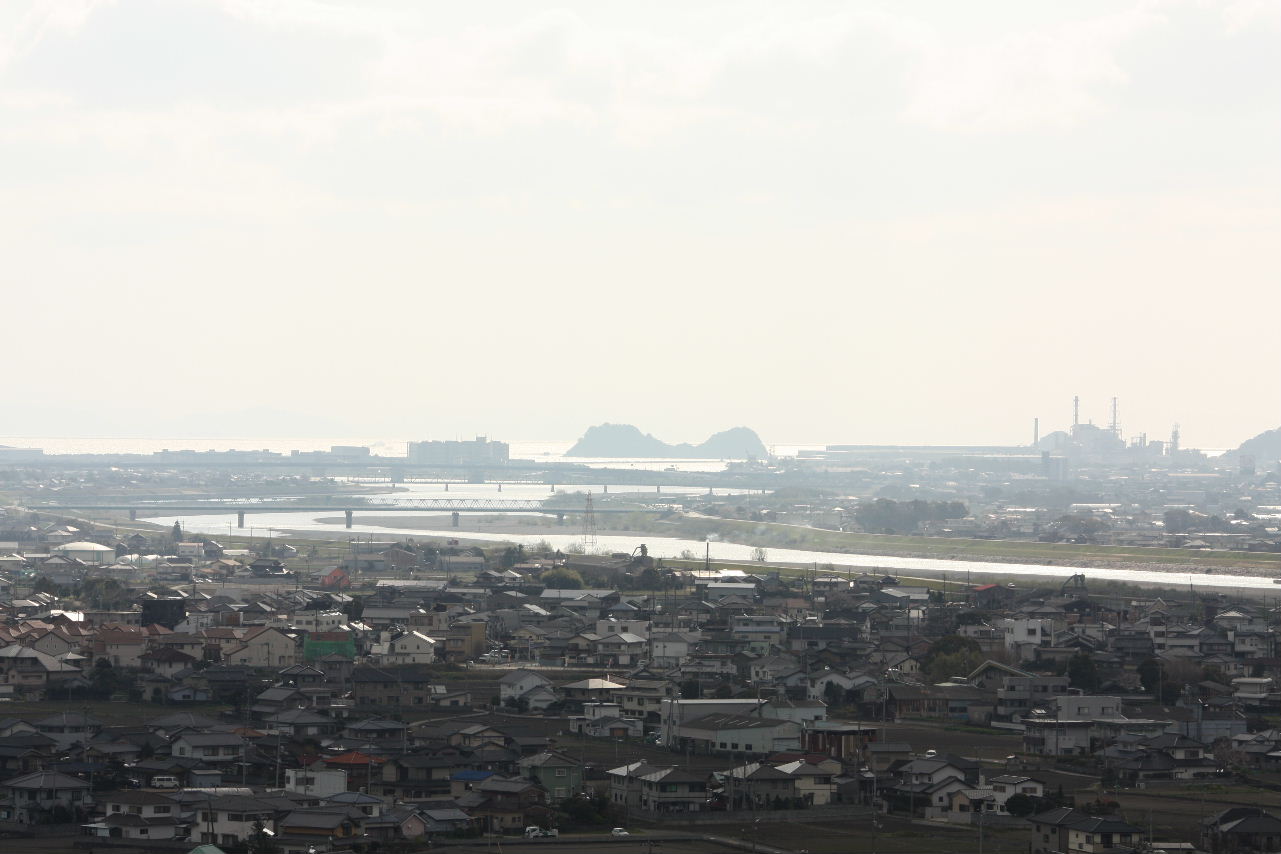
(831, 222)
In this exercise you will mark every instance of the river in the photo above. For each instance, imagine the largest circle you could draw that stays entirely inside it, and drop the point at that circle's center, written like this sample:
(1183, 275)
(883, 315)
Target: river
(672, 547)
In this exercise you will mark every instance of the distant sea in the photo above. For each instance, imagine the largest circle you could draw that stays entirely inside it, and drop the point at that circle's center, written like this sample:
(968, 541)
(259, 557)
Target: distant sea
(542, 449)
(538, 450)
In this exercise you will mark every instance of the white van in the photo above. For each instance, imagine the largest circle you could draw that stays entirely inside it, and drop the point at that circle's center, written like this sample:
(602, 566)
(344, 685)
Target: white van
(165, 782)
(537, 832)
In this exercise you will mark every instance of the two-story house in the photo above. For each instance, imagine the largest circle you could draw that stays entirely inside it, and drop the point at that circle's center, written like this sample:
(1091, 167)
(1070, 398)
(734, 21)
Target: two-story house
(131, 814)
(213, 748)
(656, 789)
(39, 796)
(1069, 831)
(559, 774)
(762, 633)
(229, 819)
(533, 688)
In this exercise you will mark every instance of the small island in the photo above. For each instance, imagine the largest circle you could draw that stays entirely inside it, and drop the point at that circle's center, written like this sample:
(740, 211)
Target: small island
(625, 440)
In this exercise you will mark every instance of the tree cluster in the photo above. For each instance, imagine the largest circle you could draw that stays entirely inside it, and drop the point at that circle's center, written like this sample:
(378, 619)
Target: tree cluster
(952, 655)
(887, 516)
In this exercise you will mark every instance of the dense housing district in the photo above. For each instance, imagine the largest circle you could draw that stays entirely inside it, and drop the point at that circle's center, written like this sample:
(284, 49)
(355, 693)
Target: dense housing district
(416, 696)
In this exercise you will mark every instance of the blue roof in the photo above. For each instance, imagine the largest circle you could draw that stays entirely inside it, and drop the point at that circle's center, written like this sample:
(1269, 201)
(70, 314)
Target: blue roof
(471, 775)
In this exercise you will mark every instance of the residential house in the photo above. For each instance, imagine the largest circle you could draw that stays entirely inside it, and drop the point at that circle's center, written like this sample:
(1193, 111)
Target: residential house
(758, 785)
(39, 797)
(529, 688)
(657, 790)
(213, 748)
(228, 819)
(1242, 829)
(410, 648)
(131, 814)
(559, 774)
(1069, 831)
(1048, 736)
(261, 647)
(398, 686)
(814, 782)
(1019, 695)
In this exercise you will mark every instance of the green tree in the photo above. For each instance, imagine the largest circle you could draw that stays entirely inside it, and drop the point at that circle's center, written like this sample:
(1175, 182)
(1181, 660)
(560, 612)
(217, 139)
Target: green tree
(1080, 526)
(1021, 805)
(949, 644)
(44, 585)
(943, 667)
(1177, 520)
(650, 579)
(258, 841)
(1153, 677)
(1082, 673)
(562, 579)
(885, 514)
(1149, 671)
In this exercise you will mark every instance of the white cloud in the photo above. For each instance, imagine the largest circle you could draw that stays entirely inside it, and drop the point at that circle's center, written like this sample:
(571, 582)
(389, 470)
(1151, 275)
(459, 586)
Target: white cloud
(1240, 15)
(1024, 80)
(24, 24)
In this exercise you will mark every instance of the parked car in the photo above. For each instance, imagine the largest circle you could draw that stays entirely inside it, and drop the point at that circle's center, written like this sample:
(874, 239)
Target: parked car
(536, 832)
(165, 782)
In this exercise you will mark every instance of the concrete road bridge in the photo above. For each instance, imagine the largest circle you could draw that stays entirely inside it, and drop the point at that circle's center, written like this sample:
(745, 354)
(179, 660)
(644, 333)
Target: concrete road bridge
(348, 505)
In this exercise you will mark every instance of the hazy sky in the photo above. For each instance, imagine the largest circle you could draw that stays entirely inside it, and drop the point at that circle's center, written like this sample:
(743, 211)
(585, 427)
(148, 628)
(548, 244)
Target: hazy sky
(845, 222)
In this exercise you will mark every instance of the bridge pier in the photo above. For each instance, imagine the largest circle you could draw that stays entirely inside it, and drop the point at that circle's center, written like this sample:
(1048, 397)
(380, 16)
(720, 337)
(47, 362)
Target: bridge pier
(560, 518)
(240, 519)
(553, 487)
(659, 490)
(453, 519)
(133, 515)
(348, 514)
(500, 487)
(606, 488)
(446, 486)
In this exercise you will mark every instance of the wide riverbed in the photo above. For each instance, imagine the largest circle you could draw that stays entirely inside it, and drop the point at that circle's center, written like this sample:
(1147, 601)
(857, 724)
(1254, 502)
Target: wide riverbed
(569, 537)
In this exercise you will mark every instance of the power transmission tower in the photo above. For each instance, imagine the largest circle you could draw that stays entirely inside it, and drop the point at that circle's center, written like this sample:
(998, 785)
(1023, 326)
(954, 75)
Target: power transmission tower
(589, 526)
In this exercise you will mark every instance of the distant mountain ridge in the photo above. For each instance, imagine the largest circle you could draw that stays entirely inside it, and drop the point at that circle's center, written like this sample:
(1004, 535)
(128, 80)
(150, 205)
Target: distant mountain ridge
(625, 440)
(1265, 447)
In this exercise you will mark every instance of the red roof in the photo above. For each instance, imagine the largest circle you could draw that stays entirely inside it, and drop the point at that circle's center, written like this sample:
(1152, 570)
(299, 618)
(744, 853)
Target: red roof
(986, 587)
